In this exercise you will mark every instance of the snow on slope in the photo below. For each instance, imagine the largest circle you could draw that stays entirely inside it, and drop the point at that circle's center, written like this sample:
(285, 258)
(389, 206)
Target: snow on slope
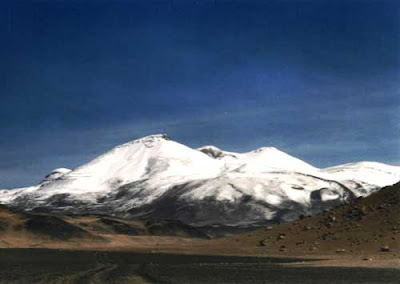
(269, 158)
(54, 175)
(261, 160)
(271, 195)
(154, 158)
(159, 178)
(363, 178)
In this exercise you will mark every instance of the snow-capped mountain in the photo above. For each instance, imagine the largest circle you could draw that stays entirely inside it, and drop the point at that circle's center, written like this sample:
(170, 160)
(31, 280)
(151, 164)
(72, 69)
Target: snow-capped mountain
(155, 177)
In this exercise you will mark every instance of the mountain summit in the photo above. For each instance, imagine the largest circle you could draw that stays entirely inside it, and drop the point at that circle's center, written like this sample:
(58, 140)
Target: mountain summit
(156, 177)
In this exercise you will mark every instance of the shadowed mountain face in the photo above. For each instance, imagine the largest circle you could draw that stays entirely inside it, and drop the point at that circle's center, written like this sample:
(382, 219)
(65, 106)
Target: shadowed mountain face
(24, 229)
(53, 227)
(157, 178)
(21, 225)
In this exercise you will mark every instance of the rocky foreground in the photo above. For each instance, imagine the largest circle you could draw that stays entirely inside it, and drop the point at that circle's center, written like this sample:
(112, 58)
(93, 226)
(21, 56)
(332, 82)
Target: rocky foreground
(369, 226)
(367, 231)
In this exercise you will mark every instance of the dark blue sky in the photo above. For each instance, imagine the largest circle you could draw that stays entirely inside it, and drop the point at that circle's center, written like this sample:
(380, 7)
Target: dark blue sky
(317, 79)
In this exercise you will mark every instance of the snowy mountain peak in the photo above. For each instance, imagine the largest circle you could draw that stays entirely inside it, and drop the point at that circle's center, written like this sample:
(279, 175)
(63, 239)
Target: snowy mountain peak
(215, 152)
(270, 158)
(55, 174)
(159, 178)
(147, 140)
(60, 171)
(266, 149)
(154, 157)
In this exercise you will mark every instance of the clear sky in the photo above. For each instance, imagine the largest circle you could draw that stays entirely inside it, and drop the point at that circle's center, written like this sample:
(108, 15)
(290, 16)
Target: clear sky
(317, 79)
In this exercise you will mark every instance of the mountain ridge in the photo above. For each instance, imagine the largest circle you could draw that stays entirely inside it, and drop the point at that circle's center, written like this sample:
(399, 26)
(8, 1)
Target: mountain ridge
(156, 177)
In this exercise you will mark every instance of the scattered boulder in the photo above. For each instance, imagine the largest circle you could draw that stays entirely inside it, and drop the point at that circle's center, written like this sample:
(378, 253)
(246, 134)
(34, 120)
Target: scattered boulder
(331, 218)
(281, 237)
(363, 211)
(327, 236)
(300, 243)
(385, 249)
(329, 224)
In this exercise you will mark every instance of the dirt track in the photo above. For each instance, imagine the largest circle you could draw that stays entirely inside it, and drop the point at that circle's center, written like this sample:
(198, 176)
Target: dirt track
(73, 267)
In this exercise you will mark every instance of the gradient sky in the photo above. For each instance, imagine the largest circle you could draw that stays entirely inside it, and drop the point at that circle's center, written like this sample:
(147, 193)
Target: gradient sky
(317, 79)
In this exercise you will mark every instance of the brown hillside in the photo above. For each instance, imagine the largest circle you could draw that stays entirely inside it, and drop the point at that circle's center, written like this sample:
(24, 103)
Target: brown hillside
(369, 225)
(22, 229)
